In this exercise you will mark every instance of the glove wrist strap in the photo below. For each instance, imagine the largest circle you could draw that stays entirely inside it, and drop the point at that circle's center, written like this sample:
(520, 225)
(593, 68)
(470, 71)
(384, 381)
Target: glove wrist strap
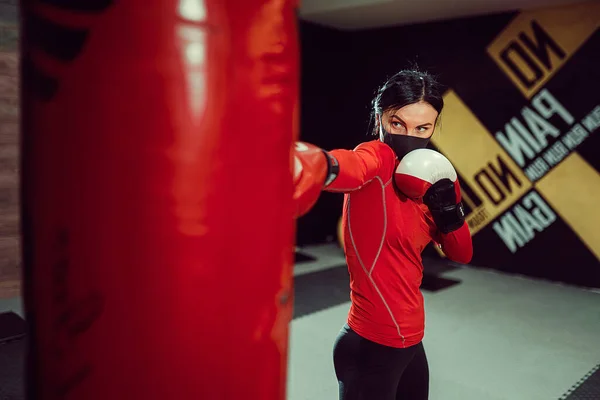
(333, 169)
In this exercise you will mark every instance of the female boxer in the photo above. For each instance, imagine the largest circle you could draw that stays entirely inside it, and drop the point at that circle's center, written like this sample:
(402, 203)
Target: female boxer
(379, 354)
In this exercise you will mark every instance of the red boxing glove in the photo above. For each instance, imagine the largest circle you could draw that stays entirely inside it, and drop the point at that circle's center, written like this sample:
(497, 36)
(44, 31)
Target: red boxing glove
(314, 169)
(427, 174)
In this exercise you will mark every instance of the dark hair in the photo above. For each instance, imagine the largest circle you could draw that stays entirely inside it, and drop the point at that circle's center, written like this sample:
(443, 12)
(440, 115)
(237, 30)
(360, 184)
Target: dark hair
(404, 88)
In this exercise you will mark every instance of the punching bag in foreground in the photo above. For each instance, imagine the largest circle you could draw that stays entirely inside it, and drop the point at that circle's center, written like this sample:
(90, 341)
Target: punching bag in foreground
(157, 219)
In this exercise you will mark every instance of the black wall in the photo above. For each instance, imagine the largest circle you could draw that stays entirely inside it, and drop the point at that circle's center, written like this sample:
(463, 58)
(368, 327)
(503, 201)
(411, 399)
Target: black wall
(553, 51)
(324, 53)
(341, 71)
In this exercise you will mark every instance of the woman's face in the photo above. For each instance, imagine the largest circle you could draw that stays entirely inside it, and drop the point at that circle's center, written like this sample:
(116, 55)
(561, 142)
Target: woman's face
(417, 119)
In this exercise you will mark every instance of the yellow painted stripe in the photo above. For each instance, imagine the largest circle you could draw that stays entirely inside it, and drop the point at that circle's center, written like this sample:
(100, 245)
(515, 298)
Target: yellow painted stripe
(569, 26)
(471, 148)
(573, 190)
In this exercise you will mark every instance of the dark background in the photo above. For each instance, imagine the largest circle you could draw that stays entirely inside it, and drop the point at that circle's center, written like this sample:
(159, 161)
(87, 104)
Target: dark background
(341, 71)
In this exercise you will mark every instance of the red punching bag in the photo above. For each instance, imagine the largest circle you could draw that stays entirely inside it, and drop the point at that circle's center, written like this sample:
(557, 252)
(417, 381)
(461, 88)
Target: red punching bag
(157, 219)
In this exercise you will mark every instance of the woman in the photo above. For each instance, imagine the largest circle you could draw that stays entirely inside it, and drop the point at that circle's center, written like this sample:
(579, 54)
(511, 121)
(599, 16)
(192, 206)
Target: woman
(379, 354)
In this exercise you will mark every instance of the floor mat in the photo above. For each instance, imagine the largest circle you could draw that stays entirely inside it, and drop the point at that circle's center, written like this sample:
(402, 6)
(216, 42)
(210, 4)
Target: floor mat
(12, 369)
(316, 291)
(438, 266)
(302, 257)
(588, 387)
(320, 290)
(433, 283)
(12, 326)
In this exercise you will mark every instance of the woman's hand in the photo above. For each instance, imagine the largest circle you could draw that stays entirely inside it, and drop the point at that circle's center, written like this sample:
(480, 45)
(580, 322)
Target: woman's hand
(427, 174)
(314, 169)
(443, 201)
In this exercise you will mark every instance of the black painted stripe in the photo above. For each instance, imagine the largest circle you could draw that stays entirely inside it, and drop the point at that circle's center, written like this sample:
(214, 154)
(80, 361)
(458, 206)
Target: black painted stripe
(587, 388)
(302, 257)
(320, 290)
(12, 327)
(12, 368)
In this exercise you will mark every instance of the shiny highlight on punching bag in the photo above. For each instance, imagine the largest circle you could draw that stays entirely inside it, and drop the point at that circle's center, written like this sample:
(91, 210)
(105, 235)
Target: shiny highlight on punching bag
(157, 219)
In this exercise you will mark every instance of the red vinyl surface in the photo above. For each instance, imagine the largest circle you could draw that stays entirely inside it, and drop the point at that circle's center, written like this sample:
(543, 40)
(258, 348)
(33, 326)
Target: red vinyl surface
(158, 218)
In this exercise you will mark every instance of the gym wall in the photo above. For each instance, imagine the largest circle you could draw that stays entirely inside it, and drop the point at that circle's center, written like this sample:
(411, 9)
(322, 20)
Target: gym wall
(340, 71)
(521, 126)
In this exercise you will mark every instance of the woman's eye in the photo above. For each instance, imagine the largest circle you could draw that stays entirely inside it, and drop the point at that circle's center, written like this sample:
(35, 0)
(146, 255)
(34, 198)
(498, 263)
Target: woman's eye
(422, 129)
(396, 124)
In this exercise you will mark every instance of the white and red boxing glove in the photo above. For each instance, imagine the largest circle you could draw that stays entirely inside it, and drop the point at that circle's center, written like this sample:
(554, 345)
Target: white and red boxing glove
(314, 169)
(427, 174)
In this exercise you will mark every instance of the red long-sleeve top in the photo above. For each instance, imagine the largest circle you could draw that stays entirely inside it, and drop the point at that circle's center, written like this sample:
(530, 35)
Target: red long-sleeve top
(384, 235)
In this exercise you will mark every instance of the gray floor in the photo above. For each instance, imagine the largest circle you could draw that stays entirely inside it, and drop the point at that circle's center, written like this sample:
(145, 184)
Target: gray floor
(491, 337)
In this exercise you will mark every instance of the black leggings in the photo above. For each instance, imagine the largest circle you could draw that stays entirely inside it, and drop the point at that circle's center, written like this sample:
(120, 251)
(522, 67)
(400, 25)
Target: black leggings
(369, 371)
